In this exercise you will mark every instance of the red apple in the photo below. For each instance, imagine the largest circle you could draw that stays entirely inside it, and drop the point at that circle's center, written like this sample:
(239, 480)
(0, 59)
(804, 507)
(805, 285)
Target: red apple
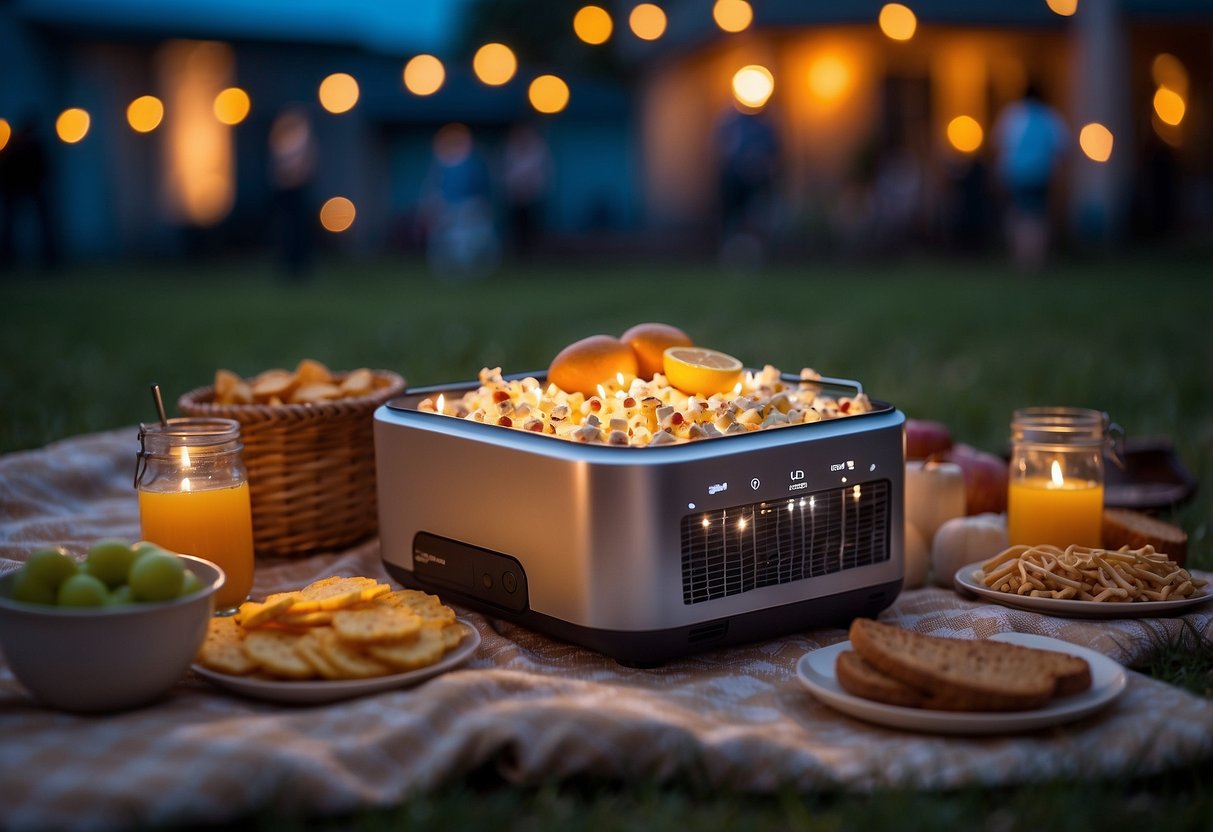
(925, 438)
(985, 478)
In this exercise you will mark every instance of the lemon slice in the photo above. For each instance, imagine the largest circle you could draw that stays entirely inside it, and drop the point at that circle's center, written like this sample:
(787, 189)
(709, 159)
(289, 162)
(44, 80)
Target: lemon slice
(698, 371)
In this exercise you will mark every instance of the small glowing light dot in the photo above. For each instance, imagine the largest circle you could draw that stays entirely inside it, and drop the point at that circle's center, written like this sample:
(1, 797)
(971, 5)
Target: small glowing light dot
(1169, 105)
(145, 113)
(548, 94)
(733, 15)
(753, 86)
(494, 64)
(592, 24)
(232, 105)
(338, 92)
(897, 21)
(965, 134)
(1065, 8)
(741, 525)
(424, 75)
(337, 214)
(72, 125)
(706, 522)
(648, 21)
(691, 506)
(844, 479)
(790, 506)
(1096, 142)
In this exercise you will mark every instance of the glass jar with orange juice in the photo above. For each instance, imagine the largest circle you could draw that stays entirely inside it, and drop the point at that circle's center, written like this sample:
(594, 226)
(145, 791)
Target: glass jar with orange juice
(194, 497)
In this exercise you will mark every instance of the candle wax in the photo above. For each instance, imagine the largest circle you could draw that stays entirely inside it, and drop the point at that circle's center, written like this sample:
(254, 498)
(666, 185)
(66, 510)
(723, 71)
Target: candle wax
(215, 524)
(1041, 511)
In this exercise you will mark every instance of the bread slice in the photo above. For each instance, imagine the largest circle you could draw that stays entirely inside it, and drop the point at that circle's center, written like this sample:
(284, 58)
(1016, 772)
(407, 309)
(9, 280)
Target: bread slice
(1125, 527)
(861, 679)
(962, 675)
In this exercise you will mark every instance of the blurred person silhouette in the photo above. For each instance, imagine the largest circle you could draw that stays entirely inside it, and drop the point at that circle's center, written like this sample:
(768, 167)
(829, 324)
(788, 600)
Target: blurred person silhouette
(747, 150)
(292, 167)
(1030, 139)
(457, 207)
(525, 177)
(25, 182)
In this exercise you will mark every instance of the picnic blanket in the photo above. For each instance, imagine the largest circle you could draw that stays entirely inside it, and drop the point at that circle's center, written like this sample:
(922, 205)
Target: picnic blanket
(532, 708)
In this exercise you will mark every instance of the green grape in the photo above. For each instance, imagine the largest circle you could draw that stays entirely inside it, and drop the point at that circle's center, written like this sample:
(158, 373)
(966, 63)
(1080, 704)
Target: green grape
(110, 561)
(51, 567)
(120, 596)
(156, 576)
(82, 590)
(190, 583)
(29, 589)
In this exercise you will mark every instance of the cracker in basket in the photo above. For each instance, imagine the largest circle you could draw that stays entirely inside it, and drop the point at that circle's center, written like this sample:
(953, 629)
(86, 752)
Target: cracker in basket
(422, 651)
(375, 624)
(223, 648)
(311, 382)
(274, 651)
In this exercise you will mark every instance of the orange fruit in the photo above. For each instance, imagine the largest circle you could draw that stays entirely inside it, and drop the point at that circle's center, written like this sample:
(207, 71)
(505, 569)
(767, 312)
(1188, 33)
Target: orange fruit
(698, 371)
(649, 341)
(583, 365)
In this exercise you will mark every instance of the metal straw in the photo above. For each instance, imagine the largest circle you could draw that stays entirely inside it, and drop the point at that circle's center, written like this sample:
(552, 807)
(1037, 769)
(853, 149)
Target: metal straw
(159, 400)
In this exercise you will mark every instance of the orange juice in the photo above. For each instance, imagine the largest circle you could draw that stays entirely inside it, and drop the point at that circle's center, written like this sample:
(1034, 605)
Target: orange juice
(1040, 510)
(215, 524)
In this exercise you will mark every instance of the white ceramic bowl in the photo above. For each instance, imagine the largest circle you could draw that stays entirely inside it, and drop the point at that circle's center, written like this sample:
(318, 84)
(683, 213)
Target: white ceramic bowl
(106, 658)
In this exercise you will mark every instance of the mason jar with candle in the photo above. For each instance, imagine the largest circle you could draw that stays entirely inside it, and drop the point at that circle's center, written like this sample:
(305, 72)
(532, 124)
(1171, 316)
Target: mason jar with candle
(194, 497)
(1056, 483)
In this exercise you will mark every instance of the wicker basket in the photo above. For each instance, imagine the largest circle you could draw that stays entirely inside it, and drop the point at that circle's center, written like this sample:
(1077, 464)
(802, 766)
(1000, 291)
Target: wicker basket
(311, 467)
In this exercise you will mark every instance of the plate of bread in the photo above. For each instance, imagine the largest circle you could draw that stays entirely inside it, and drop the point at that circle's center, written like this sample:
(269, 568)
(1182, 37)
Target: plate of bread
(1083, 582)
(1012, 682)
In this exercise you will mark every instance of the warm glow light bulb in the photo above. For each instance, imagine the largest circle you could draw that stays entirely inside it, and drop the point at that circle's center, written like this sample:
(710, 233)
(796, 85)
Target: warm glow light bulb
(494, 64)
(337, 214)
(592, 24)
(424, 75)
(145, 113)
(338, 93)
(1096, 142)
(897, 21)
(965, 134)
(733, 15)
(648, 21)
(1065, 8)
(1169, 105)
(232, 106)
(753, 85)
(72, 125)
(6, 132)
(548, 94)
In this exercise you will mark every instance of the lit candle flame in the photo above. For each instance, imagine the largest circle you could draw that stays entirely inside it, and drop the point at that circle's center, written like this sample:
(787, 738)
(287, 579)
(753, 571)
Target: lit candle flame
(1058, 480)
(185, 483)
(441, 406)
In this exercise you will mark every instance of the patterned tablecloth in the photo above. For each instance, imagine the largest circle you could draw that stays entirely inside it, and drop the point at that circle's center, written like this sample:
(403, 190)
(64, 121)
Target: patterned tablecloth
(532, 708)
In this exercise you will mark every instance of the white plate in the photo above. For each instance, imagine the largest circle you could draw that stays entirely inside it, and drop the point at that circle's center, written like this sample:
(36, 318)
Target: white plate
(968, 579)
(816, 670)
(318, 691)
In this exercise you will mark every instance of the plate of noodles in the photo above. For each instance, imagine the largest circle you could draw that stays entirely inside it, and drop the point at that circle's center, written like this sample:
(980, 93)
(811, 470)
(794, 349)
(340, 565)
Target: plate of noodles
(1081, 582)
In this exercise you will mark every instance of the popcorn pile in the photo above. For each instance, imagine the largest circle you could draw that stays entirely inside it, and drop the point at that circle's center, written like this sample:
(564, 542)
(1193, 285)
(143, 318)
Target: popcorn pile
(632, 411)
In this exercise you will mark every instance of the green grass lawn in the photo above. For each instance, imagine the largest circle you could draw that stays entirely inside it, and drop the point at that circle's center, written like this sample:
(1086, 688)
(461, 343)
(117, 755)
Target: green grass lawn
(963, 343)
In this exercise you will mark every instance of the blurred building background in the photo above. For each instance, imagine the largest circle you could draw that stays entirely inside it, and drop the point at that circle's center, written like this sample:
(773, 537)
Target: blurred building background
(748, 129)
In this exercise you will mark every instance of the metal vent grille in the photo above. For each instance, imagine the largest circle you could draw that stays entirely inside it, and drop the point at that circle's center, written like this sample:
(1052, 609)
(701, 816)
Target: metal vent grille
(733, 550)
